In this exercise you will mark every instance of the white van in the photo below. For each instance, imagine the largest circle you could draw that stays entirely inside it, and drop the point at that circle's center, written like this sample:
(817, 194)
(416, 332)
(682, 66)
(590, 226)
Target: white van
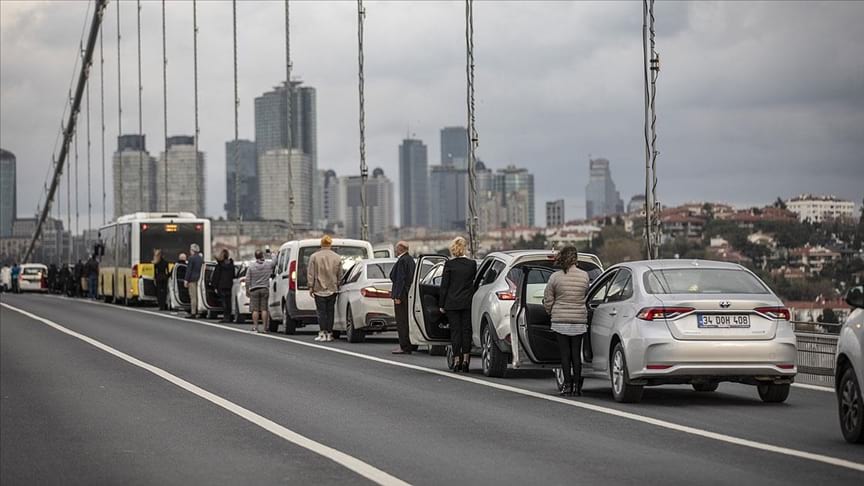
(290, 301)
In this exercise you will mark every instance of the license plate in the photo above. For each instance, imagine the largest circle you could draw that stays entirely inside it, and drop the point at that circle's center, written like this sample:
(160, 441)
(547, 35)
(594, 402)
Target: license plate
(709, 321)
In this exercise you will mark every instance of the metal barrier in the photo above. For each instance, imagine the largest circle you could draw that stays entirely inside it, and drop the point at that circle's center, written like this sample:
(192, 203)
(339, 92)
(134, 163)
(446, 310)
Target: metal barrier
(817, 345)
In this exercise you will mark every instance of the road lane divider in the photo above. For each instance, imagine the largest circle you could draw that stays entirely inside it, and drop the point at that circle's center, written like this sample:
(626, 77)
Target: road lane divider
(707, 434)
(349, 462)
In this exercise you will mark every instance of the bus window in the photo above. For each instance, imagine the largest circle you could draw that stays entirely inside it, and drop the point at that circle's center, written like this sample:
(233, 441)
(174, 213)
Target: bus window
(124, 245)
(172, 238)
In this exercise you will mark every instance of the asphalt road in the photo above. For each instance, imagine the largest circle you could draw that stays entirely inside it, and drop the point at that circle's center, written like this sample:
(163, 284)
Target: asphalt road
(74, 413)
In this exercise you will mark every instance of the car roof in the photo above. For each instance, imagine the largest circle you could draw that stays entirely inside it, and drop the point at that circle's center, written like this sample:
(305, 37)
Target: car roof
(668, 264)
(370, 261)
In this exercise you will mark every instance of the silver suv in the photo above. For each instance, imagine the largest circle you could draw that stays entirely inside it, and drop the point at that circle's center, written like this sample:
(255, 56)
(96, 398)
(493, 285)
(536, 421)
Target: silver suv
(850, 369)
(496, 282)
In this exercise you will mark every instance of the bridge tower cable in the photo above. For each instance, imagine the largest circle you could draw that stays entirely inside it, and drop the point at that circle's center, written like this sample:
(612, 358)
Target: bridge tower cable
(77, 212)
(141, 206)
(89, 172)
(472, 135)
(654, 73)
(118, 182)
(651, 70)
(165, 112)
(237, 131)
(195, 73)
(289, 95)
(69, 215)
(649, 205)
(68, 128)
(102, 114)
(361, 82)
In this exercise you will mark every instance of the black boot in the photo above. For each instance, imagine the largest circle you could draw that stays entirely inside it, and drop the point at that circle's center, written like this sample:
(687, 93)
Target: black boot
(564, 390)
(578, 391)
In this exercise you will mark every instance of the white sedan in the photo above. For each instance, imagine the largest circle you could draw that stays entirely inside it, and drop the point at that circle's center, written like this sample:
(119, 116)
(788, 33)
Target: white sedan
(364, 304)
(33, 278)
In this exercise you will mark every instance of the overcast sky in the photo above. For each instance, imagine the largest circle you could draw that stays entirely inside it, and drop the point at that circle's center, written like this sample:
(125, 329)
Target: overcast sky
(754, 100)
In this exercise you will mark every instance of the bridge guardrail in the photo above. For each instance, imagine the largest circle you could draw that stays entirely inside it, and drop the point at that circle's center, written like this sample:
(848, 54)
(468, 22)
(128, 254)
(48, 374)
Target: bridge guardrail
(817, 344)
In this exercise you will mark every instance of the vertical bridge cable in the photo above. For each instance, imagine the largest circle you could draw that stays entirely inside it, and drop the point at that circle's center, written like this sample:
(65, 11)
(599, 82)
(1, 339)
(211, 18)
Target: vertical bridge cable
(195, 71)
(361, 81)
(119, 183)
(649, 204)
(140, 123)
(165, 112)
(77, 213)
(69, 215)
(237, 130)
(102, 116)
(654, 72)
(89, 198)
(289, 95)
(473, 138)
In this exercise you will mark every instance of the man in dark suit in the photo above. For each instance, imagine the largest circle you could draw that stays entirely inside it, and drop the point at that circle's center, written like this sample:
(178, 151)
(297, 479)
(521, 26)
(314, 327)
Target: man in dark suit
(402, 275)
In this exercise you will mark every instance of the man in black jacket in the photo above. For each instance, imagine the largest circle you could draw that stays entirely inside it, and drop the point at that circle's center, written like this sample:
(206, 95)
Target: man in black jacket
(402, 276)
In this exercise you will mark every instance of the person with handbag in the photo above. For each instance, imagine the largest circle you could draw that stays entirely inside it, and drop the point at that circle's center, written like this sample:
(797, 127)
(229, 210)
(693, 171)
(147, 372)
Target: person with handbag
(564, 300)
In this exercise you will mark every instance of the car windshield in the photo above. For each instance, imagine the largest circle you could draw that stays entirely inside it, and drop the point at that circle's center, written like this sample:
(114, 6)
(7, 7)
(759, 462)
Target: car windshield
(378, 270)
(702, 281)
(350, 256)
(31, 271)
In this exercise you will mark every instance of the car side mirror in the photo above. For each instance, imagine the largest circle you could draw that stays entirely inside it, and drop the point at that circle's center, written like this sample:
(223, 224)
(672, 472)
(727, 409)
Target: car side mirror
(855, 297)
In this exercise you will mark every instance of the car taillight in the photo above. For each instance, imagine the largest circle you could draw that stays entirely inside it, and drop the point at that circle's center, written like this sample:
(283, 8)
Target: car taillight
(786, 366)
(506, 295)
(242, 281)
(775, 312)
(135, 271)
(655, 313)
(375, 293)
(292, 275)
(508, 339)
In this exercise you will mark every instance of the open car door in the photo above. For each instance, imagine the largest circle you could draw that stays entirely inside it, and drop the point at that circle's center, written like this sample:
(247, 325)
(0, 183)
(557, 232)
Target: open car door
(179, 292)
(536, 342)
(426, 324)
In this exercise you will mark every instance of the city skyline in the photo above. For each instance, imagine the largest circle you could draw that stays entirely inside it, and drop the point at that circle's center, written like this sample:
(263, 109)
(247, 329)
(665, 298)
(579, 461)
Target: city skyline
(602, 115)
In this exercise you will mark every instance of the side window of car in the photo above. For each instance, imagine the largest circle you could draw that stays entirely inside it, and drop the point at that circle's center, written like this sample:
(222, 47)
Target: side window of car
(493, 272)
(617, 288)
(599, 292)
(355, 274)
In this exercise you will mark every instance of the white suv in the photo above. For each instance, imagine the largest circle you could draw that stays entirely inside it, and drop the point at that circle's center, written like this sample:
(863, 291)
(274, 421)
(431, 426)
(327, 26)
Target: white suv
(849, 372)
(495, 293)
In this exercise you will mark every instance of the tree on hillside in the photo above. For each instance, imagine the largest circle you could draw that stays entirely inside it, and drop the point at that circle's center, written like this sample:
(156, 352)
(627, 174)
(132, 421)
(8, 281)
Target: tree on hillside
(779, 203)
(619, 250)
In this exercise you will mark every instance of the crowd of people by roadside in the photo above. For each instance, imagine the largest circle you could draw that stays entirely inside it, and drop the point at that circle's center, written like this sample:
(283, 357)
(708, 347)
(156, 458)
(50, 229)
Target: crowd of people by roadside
(74, 280)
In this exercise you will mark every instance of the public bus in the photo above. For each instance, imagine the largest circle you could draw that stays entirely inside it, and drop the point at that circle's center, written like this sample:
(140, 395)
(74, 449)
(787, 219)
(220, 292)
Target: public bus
(126, 266)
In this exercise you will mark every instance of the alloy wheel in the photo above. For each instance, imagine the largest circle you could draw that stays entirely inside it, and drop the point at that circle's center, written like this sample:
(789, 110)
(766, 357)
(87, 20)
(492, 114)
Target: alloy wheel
(850, 404)
(618, 372)
(487, 351)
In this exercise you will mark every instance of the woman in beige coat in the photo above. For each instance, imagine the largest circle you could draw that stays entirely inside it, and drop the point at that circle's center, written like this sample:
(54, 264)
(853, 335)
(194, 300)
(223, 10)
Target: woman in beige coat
(564, 300)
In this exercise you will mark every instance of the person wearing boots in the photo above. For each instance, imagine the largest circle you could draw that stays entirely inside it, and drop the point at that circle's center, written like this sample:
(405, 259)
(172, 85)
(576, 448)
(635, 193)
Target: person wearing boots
(223, 279)
(564, 300)
(457, 290)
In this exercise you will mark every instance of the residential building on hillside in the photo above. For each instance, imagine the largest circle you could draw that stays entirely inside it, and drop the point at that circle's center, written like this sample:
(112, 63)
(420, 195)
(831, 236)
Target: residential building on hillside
(601, 197)
(812, 258)
(820, 208)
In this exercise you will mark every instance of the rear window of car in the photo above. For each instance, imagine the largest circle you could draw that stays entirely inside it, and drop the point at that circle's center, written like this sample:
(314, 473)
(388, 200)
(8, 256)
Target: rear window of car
(350, 256)
(31, 271)
(702, 281)
(378, 270)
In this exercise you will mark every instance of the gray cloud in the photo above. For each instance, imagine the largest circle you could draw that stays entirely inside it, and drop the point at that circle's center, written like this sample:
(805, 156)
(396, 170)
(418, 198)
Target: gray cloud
(755, 99)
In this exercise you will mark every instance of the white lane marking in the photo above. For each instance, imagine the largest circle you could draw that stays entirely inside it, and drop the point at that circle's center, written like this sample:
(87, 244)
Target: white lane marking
(729, 439)
(814, 387)
(363, 469)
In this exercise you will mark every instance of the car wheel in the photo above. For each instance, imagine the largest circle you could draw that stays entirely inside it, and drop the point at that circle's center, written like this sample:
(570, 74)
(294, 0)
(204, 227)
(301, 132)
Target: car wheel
(290, 324)
(238, 316)
(352, 334)
(494, 360)
(622, 390)
(451, 360)
(773, 393)
(705, 387)
(851, 407)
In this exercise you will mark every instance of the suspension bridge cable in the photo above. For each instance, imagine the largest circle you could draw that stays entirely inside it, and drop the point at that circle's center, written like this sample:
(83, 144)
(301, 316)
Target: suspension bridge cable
(473, 137)
(102, 114)
(649, 204)
(165, 111)
(361, 81)
(119, 181)
(77, 213)
(140, 122)
(289, 95)
(69, 215)
(89, 197)
(237, 127)
(195, 71)
(654, 72)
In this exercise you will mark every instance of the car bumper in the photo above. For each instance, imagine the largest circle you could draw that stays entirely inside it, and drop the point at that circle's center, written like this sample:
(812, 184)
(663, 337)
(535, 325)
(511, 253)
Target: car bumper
(377, 322)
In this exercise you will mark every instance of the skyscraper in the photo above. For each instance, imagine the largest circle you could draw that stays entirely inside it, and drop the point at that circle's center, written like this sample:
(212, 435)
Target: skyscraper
(379, 202)
(454, 147)
(183, 189)
(247, 158)
(554, 213)
(513, 180)
(130, 161)
(332, 199)
(273, 186)
(414, 183)
(448, 204)
(8, 195)
(271, 129)
(601, 197)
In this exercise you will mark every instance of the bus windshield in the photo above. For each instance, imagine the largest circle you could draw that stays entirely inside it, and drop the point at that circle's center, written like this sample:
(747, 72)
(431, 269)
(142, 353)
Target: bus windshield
(172, 238)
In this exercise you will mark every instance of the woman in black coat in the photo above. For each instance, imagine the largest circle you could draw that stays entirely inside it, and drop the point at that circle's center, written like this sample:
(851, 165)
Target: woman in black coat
(160, 278)
(223, 281)
(457, 290)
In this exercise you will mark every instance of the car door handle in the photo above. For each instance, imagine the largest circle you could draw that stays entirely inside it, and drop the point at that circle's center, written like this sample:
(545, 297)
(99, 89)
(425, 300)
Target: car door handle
(284, 276)
(613, 312)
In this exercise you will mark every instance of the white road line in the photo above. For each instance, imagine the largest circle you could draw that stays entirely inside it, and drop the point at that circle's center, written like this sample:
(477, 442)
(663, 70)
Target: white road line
(729, 439)
(814, 387)
(363, 469)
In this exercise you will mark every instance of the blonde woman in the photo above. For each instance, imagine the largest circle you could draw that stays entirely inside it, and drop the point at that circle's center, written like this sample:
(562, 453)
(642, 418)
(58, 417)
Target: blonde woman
(457, 290)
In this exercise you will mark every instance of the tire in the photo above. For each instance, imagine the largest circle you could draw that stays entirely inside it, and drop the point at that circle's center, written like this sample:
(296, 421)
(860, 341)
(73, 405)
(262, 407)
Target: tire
(705, 387)
(622, 390)
(438, 350)
(238, 316)
(772, 393)
(451, 360)
(290, 324)
(352, 334)
(494, 360)
(850, 406)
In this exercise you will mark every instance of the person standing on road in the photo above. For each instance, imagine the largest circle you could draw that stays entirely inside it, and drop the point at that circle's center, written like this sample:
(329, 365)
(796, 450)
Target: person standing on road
(564, 300)
(457, 290)
(92, 270)
(223, 280)
(193, 275)
(401, 275)
(323, 274)
(258, 289)
(160, 278)
(15, 272)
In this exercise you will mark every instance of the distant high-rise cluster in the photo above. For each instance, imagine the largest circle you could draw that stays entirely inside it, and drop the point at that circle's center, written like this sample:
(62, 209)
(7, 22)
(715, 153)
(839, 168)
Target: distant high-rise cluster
(180, 184)
(601, 197)
(8, 196)
(134, 176)
(414, 183)
(242, 153)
